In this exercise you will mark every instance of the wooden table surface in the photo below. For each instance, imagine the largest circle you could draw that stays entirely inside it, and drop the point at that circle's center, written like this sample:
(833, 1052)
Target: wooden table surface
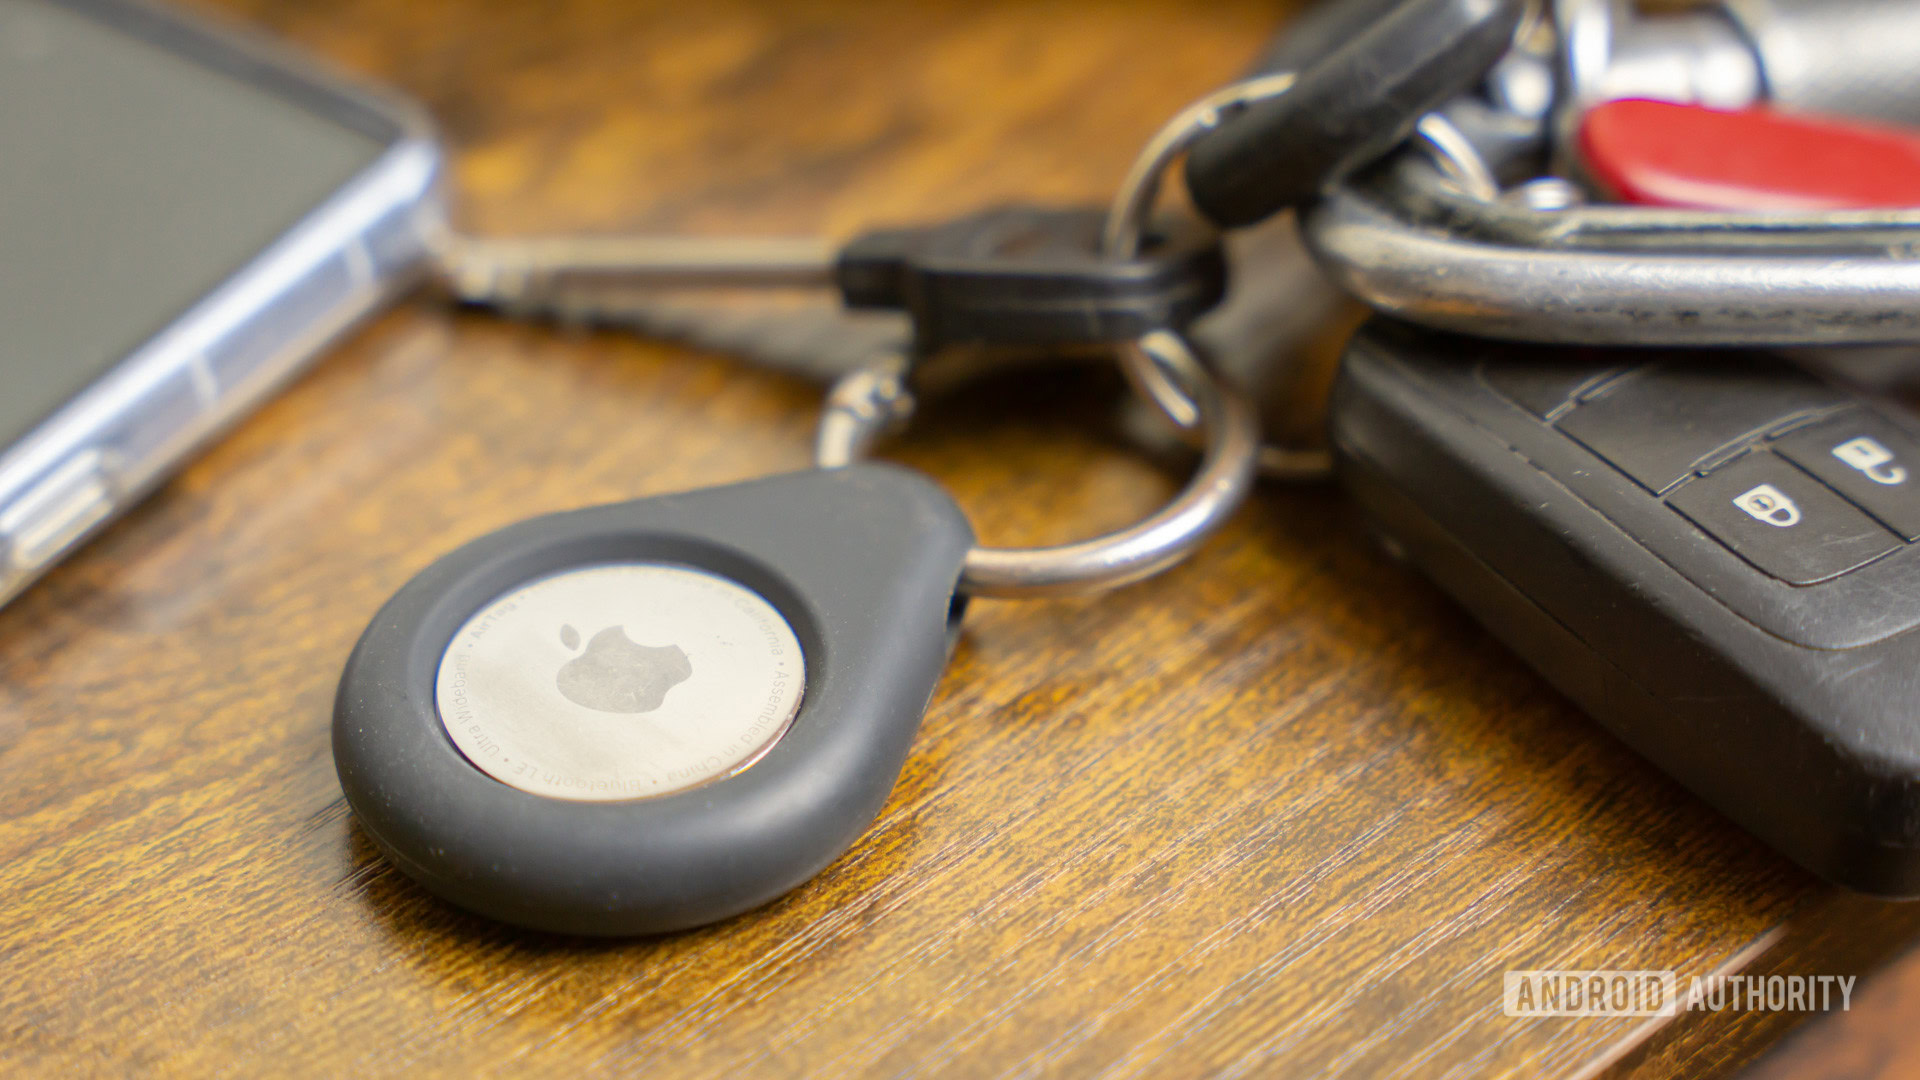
(1282, 811)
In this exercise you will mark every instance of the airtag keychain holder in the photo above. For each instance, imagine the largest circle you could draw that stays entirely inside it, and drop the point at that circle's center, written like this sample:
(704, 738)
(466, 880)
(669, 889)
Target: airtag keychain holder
(867, 565)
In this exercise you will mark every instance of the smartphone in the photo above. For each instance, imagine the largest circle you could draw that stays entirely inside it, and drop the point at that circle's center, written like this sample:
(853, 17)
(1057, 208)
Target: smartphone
(187, 217)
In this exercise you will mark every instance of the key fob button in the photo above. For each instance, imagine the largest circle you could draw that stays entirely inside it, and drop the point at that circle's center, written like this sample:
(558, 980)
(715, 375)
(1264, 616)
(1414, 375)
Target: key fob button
(1873, 463)
(1782, 521)
(1662, 423)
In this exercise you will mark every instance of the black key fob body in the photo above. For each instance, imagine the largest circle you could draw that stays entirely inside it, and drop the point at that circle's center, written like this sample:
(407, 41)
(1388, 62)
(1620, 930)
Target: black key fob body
(1712, 553)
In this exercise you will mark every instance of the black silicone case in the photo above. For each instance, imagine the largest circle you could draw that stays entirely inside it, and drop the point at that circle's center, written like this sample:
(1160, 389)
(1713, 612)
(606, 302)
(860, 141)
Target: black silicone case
(861, 561)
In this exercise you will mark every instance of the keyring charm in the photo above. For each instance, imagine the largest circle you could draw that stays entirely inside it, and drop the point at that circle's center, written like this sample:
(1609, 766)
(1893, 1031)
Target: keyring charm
(648, 716)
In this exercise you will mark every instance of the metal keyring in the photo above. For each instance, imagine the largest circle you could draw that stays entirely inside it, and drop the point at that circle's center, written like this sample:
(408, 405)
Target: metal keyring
(1127, 219)
(864, 406)
(1126, 227)
(1456, 157)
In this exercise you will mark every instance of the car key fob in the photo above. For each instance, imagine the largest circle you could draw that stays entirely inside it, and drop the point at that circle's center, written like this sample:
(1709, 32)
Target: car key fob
(1717, 555)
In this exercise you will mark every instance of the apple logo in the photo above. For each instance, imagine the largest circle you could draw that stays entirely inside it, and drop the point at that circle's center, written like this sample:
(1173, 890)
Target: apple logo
(615, 675)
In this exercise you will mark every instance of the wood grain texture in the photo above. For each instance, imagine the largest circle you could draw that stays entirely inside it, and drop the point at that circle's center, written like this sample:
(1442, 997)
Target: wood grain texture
(1873, 1040)
(1282, 811)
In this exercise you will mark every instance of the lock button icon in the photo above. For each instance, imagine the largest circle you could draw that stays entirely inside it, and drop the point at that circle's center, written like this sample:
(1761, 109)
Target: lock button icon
(1769, 504)
(1871, 462)
(1785, 522)
(1873, 459)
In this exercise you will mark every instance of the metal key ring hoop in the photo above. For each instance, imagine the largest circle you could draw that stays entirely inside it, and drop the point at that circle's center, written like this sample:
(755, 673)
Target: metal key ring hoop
(864, 405)
(1127, 219)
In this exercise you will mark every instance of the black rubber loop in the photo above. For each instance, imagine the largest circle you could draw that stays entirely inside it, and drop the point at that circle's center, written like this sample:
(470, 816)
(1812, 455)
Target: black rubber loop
(1348, 108)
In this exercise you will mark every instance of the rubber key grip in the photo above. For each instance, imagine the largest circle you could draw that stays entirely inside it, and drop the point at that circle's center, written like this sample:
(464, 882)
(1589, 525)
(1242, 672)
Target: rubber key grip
(1349, 108)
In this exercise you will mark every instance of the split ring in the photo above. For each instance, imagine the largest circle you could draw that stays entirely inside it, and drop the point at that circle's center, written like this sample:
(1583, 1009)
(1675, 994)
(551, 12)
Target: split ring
(1127, 219)
(865, 405)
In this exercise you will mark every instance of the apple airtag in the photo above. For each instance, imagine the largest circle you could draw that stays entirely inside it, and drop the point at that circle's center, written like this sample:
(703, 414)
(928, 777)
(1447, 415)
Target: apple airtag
(652, 715)
(620, 681)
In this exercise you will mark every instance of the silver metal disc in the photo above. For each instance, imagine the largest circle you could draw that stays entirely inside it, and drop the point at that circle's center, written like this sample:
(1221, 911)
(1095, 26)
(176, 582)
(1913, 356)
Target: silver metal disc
(620, 681)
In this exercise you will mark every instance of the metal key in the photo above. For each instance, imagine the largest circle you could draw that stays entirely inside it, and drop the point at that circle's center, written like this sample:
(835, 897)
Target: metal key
(1850, 57)
(533, 276)
(1010, 276)
(664, 287)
